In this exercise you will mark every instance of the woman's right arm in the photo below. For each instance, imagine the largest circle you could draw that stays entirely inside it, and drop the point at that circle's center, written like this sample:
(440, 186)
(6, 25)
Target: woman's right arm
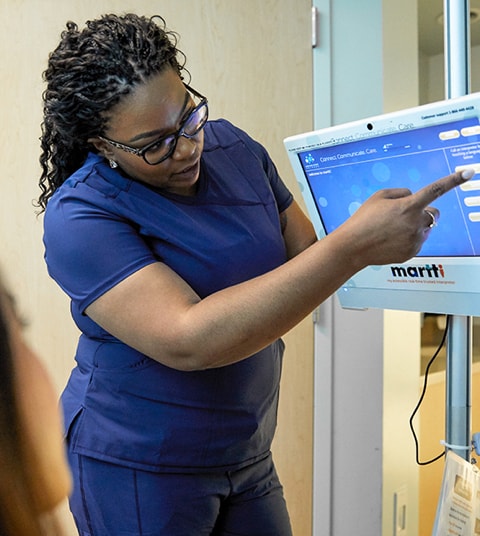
(157, 313)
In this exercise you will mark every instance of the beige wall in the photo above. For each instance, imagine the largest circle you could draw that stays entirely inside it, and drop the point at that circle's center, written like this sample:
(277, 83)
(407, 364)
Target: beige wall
(253, 60)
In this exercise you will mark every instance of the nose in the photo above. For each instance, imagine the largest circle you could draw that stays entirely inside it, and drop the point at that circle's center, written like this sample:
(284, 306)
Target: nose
(185, 148)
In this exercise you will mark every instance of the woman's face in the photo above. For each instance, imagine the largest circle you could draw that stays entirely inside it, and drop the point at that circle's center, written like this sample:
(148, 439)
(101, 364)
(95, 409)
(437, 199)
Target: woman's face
(154, 109)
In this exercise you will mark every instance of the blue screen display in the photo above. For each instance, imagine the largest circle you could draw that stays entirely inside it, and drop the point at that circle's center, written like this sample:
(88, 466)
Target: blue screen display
(342, 177)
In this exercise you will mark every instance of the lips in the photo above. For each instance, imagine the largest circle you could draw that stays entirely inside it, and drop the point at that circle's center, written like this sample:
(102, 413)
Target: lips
(190, 170)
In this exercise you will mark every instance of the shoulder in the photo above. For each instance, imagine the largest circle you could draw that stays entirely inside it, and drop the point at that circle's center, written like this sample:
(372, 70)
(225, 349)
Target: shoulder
(228, 147)
(223, 133)
(81, 206)
(93, 184)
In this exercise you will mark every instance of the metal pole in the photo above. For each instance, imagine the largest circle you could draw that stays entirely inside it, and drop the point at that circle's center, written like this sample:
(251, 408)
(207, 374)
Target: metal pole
(459, 339)
(458, 386)
(457, 47)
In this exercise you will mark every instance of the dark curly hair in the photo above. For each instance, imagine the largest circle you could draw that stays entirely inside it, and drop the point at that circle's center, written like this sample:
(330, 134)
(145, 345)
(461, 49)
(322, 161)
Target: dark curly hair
(87, 74)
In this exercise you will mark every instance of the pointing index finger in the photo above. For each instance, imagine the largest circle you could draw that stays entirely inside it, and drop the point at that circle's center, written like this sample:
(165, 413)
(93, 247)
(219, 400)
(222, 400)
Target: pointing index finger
(434, 190)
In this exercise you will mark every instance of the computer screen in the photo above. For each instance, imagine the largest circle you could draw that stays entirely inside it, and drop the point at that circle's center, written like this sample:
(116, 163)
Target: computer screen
(339, 167)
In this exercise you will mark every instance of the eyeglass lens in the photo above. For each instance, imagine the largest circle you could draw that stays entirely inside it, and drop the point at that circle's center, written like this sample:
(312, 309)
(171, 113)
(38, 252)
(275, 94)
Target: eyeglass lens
(192, 126)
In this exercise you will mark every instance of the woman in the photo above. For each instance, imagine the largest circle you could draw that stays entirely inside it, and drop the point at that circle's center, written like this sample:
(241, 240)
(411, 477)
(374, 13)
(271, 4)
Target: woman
(34, 477)
(186, 259)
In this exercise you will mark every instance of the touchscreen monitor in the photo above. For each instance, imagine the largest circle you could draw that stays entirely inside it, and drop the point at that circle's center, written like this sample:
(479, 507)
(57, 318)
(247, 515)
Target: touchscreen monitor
(339, 167)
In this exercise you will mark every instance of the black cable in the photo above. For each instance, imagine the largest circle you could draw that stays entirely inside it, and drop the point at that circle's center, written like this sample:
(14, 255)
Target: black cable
(424, 390)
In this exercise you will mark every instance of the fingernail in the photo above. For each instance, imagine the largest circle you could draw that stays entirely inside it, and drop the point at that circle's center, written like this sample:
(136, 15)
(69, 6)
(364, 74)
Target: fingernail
(468, 174)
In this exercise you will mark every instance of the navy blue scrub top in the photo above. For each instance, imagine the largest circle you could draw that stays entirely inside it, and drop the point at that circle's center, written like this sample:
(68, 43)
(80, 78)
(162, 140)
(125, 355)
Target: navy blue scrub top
(99, 228)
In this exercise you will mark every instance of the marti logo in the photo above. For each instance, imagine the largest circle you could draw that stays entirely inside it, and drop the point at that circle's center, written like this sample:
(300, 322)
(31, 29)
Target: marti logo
(428, 271)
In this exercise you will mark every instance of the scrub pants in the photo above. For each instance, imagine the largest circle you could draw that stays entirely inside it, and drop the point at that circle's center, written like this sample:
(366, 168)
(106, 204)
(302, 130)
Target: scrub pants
(111, 500)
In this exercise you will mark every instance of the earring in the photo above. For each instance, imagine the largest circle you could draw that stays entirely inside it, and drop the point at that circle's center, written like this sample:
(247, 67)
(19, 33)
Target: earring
(112, 163)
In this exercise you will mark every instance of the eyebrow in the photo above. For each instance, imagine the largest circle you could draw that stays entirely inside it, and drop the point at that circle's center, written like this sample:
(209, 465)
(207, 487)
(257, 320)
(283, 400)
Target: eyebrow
(151, 133)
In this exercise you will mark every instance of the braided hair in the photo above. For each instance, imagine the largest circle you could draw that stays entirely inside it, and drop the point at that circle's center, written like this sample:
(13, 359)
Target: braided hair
(87, 74)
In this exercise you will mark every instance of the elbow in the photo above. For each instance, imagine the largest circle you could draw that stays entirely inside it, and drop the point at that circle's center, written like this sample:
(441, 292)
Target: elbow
(196, 356)
(189, 349)
(180, 357)
(187, 363)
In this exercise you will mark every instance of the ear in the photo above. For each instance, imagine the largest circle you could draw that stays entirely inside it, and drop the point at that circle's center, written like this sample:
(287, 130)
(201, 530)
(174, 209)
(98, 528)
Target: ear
(102, 147)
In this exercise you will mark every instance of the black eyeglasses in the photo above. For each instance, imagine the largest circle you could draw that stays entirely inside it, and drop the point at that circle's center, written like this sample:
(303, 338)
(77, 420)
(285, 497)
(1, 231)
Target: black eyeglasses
(159, 150)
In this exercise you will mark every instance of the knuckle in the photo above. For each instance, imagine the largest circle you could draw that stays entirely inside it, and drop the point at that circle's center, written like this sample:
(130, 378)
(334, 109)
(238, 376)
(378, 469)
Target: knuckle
(438, 189)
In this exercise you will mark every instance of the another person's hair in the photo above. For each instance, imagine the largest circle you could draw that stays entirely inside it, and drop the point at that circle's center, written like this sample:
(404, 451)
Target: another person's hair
(87, 74)
(18, 515)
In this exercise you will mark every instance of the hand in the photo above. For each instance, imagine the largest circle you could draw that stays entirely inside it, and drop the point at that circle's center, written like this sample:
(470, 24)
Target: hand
(392, 225)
